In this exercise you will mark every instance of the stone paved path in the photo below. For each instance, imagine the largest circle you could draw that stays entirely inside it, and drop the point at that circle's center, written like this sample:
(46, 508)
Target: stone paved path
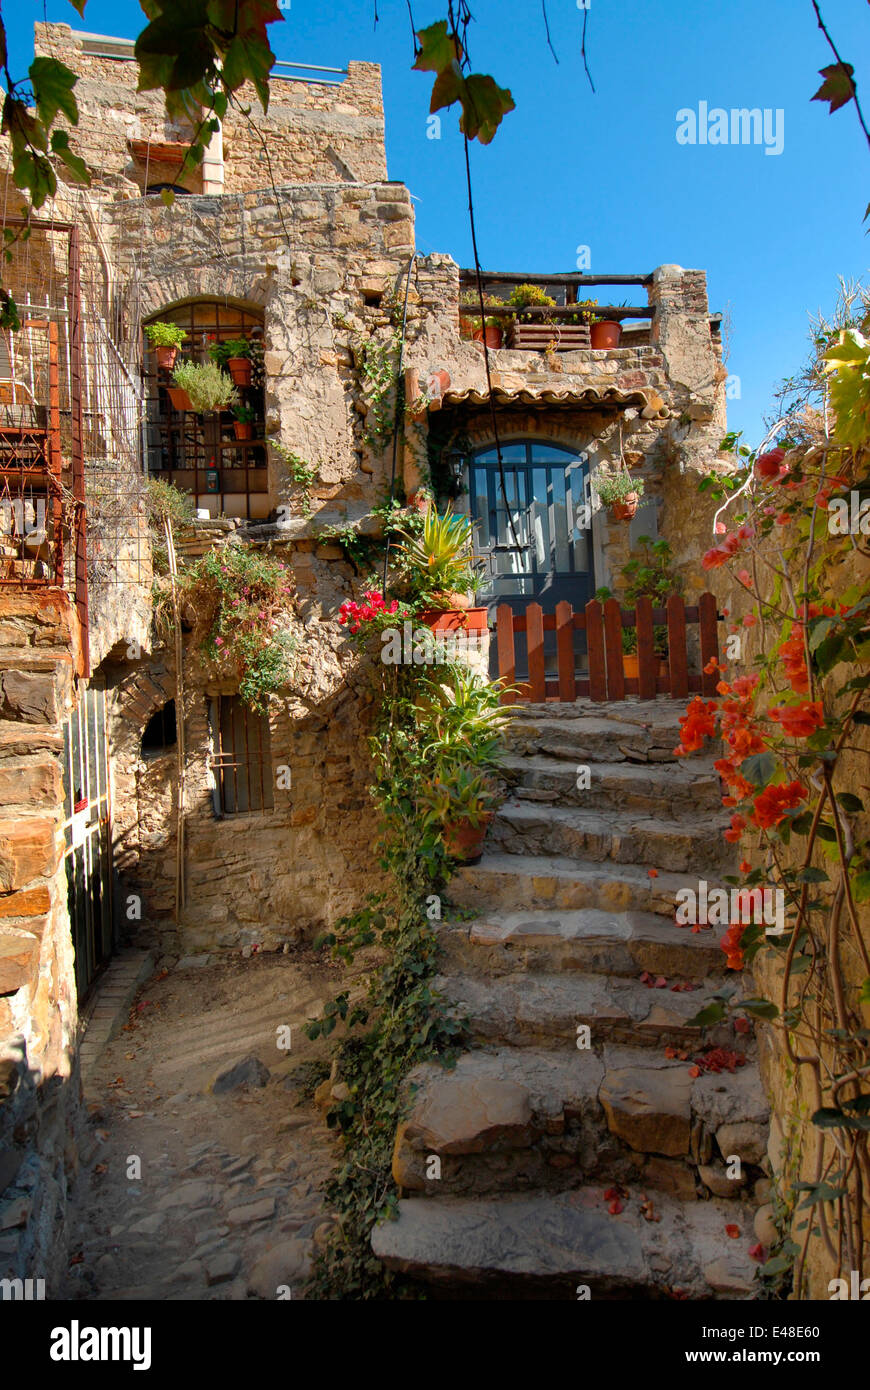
(225, 1201)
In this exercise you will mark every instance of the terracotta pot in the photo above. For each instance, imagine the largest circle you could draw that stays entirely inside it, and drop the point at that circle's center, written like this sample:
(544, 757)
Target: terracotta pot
(631, 668)
(453, 619)
(179, 398)
(166, 357)
(464, 841)
(625, 510)
(240, 370)
(605, 334)
(438, 382)
(243, 429)
(492, 335)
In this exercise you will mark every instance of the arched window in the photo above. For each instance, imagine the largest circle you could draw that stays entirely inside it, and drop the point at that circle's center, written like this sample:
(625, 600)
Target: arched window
(202, 454)
(533, 523)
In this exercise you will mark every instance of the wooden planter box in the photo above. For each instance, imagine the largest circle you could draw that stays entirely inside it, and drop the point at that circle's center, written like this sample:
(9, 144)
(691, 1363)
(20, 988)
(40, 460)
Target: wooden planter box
(538, 336)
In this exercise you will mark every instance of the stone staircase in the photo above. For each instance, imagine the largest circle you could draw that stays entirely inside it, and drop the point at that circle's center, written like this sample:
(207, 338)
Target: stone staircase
(539, 1166)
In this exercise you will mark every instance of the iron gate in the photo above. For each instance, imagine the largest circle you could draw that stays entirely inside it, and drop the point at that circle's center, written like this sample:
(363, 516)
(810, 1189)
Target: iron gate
(87, 836)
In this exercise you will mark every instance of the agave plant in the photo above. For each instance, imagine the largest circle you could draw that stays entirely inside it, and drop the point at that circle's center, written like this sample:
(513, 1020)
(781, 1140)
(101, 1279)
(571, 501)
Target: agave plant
(439, 560)
(461, 719)
(457, 794)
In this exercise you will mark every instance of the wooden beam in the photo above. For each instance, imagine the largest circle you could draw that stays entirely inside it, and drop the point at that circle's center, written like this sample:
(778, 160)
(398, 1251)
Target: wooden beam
(523, 277)
(563, 311)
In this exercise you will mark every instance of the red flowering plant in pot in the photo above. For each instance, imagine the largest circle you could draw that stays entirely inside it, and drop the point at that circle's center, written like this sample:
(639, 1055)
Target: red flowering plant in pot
(791, 711)
(372, 616)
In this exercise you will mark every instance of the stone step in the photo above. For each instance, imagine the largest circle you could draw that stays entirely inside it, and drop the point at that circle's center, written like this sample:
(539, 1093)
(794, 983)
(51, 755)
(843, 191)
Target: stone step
(594, 738)
(514, 881)
(519, 1118)
(670, 791)
(545, 1010)
(547, 1245)
(589, 939)
(626, 837)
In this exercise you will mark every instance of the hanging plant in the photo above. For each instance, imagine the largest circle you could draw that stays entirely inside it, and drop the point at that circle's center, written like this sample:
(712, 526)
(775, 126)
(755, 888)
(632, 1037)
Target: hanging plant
(207, 388)
(620, 493)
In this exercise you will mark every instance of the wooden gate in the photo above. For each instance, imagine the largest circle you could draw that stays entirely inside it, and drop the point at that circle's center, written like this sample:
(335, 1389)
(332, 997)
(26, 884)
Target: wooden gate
(603, 625)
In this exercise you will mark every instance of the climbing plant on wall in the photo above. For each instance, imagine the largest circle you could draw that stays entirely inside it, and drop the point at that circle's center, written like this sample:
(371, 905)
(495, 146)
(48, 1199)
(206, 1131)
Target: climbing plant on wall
(794, 535)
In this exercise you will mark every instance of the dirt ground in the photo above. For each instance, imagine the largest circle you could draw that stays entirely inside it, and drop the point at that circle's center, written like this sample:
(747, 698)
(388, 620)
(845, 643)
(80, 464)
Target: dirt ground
(224, 1201)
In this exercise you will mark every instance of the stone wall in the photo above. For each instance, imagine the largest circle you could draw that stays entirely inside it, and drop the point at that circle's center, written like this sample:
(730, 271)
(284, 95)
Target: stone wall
(314, 132)
(270, 876)
(793, 1139)
(39, 1088)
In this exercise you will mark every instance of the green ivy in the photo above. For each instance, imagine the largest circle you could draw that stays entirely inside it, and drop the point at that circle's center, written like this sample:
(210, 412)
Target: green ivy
(248, 593)
(403, 1020)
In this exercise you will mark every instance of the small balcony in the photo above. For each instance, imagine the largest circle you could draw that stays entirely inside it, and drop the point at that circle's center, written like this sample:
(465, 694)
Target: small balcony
(575, 319)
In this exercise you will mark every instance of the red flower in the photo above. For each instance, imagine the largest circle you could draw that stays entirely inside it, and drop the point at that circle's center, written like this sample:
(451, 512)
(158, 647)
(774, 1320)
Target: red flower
(798, 721)
(738, 825)
(772, 804)
(792, 654)
(770, 465)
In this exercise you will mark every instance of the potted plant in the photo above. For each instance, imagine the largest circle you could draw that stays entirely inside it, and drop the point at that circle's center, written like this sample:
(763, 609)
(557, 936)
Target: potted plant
(647, 574)
(461, 802)
(439, 567)
(243, 425)
(604, 333)
(629, 640)
(489, 329)
(165, 338)
(620, 494)
(235, 355)
(460, 720)
(202, 387)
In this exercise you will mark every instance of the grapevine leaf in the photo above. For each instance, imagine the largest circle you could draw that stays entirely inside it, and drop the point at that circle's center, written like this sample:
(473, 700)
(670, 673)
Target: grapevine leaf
(53, 84)
(838, 87)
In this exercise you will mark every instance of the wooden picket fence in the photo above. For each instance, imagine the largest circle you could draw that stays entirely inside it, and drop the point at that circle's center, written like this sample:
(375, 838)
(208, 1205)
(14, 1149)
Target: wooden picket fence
(603, 624)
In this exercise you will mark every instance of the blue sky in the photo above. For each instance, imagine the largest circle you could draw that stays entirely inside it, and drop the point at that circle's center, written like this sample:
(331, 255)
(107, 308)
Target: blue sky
(569, 168)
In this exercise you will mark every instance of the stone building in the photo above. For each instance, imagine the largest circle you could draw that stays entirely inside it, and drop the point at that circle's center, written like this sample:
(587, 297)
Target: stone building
(290, 234)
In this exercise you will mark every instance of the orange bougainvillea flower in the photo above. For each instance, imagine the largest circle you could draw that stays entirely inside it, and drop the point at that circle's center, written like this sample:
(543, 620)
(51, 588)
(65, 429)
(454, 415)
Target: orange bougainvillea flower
(750, 620)
(738, 825)
(653, 873)
(771, 805)
(697, 724)
(794, 664)
(712, 665)
(730, 944)
(732, 1231)
(800, 720)
(745, 866)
